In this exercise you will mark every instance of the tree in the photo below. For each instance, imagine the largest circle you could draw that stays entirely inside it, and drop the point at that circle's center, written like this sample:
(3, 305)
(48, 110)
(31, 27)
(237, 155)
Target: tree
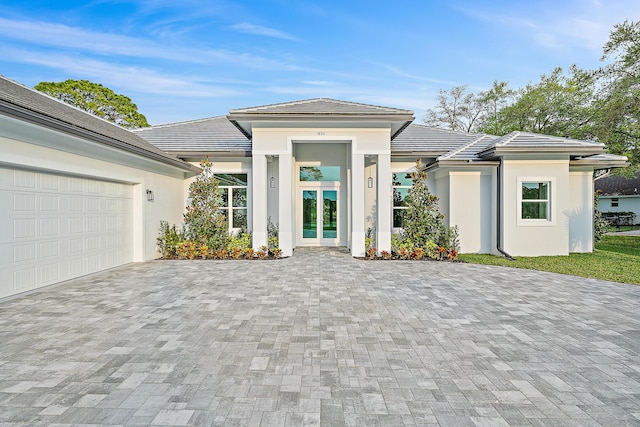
(422, 221)
(617, 108)
(204, 221)
(494, 101)
(457, 110)
(557, 105)
(97, 100)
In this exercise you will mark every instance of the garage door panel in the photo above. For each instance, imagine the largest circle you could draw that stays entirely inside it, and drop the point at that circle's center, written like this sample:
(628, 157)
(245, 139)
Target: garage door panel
(58, 227)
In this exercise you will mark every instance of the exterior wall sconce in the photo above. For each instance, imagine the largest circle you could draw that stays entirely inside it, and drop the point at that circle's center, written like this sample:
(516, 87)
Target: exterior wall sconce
(272, 182)
(370, 182)
(149, 195)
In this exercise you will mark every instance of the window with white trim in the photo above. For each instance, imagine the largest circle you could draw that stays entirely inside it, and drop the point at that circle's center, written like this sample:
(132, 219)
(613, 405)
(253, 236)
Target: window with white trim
(233, 189)
(535, 200)
(402, 183)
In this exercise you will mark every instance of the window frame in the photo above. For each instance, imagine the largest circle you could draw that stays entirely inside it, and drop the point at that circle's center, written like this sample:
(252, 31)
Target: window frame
(550, 200)
(231, 208)
(615, 202)
(395, 229)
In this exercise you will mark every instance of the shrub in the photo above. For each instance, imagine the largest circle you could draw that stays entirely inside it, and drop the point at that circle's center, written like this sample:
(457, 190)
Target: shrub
(169, 239)
(422, 219)
(241, 241)
(404, 253)
(371, 253)
(236, 253)
(276, 252)
(188, 249)
(203, 219)
(600, 223)
(203, 251)
(263, 252)
(249, 253)
(272, 234)
(417, 253)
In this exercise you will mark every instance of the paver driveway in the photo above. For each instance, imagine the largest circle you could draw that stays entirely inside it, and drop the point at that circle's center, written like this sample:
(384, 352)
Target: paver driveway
(321, 338)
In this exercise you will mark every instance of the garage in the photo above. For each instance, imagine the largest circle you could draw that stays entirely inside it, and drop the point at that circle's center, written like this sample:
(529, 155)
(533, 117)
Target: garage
(56, 227)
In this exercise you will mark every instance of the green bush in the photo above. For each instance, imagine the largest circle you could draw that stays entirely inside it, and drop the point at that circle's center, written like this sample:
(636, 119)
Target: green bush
(241, 241)
(169, 240)
(204, 221)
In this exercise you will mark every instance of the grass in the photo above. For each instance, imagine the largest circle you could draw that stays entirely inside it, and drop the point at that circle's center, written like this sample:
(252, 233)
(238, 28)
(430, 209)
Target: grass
(616, 258)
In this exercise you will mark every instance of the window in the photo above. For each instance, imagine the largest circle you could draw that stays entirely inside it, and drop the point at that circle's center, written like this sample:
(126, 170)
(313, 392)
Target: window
(233, 188)
(402, 183)
(535, 200)
(614, 202)
(320, 173)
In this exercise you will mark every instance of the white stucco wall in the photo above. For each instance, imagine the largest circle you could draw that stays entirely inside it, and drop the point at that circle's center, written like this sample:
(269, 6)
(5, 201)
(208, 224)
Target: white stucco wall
(579, 212)
(168, 190)
(356, 204)
(471, 208)
(530, 238)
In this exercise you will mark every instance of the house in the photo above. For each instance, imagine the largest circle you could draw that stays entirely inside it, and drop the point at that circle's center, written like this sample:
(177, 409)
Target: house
(619, 195)
(79, 194)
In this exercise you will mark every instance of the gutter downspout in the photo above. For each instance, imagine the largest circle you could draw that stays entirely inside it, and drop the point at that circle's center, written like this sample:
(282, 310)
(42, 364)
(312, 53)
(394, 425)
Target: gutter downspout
(499, 215)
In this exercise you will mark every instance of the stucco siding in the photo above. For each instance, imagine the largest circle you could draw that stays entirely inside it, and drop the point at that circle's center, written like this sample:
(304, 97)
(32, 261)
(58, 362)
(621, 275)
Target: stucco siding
(579, 212)
(525, 237)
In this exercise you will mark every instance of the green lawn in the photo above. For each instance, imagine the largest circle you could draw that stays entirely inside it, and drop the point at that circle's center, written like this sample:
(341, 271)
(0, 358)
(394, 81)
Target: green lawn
(616, 258)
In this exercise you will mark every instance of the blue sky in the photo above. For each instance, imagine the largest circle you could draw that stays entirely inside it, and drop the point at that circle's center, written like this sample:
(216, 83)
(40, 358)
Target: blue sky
(190, 59)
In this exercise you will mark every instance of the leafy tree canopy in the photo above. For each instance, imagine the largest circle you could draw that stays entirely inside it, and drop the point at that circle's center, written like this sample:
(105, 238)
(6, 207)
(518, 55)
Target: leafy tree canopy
(97, 100)
(600, 105)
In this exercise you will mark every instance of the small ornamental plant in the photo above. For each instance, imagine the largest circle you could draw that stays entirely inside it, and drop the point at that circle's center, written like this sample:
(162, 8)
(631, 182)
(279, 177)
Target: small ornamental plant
(249, 253)
(371, 253)
(236, 253)
(263, 252)
(385, 254)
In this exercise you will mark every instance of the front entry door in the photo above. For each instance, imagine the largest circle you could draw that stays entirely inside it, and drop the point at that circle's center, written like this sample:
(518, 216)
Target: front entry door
(319, 223)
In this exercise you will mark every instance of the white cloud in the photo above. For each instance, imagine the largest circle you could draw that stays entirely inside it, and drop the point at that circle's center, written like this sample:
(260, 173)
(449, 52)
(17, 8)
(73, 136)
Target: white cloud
(45, 34)
(127, 78)
(259, 30)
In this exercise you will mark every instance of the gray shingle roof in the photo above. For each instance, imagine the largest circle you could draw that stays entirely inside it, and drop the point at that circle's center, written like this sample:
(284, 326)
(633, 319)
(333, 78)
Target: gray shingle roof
(429, 140)
(469, 151)
(28, 104)
(526, 141)
(321, 106)
(215, 134)
(614, 185)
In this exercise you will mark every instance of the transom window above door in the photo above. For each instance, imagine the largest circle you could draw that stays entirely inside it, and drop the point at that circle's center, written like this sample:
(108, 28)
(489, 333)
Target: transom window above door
(319, 173)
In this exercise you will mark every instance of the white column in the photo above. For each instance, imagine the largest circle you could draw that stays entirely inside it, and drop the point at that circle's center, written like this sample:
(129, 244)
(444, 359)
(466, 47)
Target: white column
(259, 203)
(384, 202)
(285, 205)
(357, 205)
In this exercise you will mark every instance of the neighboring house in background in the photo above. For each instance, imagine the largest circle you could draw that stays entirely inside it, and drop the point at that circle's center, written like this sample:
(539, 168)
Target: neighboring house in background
(619, 194)
(79, 194)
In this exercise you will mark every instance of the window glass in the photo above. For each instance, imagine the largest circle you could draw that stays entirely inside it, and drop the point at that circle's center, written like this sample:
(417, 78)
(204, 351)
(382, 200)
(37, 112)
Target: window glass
(402, 183)
(233, 191)
(319, 173)
(535, 200)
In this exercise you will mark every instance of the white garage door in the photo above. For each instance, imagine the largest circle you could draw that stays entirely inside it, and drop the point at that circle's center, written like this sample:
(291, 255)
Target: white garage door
(56, 227)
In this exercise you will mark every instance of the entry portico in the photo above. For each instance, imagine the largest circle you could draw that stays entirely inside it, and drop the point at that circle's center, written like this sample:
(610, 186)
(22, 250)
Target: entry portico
(322, 168)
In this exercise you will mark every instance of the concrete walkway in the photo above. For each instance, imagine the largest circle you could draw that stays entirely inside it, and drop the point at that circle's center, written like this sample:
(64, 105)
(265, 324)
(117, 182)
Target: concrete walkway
(321, 338)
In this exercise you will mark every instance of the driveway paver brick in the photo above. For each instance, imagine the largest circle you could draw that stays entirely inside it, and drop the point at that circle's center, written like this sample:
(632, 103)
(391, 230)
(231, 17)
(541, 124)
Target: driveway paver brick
(322, 339)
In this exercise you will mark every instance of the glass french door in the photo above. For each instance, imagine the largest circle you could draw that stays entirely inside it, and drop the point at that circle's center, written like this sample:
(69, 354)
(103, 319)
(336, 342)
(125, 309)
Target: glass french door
(319, 216)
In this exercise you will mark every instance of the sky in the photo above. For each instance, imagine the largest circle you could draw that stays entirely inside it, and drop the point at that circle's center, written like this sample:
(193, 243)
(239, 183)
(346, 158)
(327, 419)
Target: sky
(181, 60)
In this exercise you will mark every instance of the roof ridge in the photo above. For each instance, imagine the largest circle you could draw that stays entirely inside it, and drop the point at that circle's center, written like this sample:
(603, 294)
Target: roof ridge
(452, 153)
(312, 100)
(179, 123)
(455, 132)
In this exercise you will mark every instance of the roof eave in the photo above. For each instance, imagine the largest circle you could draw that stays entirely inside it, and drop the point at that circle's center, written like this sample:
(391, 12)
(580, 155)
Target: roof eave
(501, 151)
(52, 123)
(461, 163)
